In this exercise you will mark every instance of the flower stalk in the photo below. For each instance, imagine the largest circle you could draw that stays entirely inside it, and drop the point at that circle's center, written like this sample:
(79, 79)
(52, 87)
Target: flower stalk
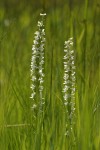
(37, 66)
(69, 85)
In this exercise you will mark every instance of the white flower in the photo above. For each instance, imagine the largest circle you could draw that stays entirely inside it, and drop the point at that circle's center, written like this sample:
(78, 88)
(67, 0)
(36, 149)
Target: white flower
(66, 103)
(35, 42)
(34, 106)
(37, 33)
(32, 95)
(42, 14)
(41, 89)
(32, 86)
(33, 78)
(40, 23)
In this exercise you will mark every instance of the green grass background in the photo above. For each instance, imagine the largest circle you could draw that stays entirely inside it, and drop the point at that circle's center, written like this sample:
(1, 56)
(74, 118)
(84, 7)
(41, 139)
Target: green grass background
(70, 18)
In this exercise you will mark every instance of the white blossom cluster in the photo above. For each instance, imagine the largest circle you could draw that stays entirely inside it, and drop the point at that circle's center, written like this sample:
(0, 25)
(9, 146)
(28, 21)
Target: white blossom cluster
(69, 81)
(37, 62)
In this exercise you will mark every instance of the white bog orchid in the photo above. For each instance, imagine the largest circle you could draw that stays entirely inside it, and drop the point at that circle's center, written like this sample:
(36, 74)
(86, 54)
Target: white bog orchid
(37, 62)
(69, 83)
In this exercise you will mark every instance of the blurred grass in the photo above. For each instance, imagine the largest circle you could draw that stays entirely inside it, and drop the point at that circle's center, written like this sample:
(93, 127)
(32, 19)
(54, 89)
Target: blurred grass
(17, 27)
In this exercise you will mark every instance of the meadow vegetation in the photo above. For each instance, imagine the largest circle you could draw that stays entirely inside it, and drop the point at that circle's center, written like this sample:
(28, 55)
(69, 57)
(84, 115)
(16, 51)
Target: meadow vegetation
(18, 23)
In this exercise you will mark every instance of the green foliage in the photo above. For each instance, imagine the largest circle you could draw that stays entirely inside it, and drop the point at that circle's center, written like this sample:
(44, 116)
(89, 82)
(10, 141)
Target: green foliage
(17, 27)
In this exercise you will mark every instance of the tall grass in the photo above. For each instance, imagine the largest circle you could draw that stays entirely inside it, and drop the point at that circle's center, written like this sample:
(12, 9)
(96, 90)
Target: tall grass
(17, 131)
